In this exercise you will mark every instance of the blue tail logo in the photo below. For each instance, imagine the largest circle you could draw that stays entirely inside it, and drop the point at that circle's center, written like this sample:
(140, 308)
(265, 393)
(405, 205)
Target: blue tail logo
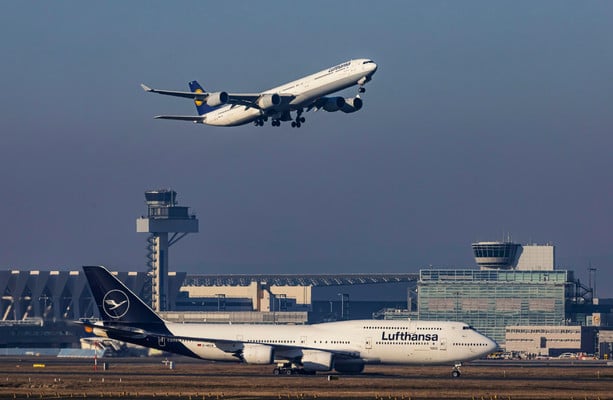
(201, 105)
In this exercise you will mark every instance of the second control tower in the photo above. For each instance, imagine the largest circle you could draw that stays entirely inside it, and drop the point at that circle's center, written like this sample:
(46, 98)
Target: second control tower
(164, 216)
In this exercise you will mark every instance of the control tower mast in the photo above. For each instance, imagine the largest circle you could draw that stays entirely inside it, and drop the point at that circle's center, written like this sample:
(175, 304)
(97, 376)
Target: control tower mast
(164, 216)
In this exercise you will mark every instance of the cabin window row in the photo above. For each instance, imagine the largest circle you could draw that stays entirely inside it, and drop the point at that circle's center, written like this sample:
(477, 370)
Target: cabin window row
(271, 341)
(406, 343)
(331, 342)
(470, 344)
(398, 328)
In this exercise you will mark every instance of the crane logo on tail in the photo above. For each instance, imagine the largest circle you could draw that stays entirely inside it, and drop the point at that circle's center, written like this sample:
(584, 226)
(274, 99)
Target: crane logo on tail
(115, 303)
(198, 102)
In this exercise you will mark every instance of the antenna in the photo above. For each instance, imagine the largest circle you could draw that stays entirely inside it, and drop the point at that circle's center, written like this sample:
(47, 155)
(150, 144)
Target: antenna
(592, 271)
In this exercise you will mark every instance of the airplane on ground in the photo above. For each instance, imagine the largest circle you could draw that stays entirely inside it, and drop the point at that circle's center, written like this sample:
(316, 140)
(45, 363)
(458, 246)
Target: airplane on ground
(345, 346)
(277, 104)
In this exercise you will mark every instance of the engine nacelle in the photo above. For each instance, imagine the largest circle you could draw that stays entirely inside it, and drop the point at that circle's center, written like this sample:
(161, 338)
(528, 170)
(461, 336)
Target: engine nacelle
(333, 104)
(217, 99)
(267, 101)
(257, 354)
(315, 360)
(351, 366)
(352, 104)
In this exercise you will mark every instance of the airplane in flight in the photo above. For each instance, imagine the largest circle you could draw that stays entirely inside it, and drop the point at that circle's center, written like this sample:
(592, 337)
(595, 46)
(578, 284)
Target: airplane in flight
(344, 346)
(278, 103)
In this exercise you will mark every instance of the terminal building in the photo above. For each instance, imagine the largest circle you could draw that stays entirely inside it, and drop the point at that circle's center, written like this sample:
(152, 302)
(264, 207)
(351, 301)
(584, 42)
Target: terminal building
(514, 290)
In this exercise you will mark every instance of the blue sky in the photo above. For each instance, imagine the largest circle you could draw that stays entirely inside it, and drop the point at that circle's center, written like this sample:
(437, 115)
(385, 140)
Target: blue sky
(485, 119)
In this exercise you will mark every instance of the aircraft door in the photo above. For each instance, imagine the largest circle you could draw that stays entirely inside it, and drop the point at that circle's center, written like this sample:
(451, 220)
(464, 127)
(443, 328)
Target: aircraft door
(368, 343)
(443, 344)
(162, 341)
(303, 340)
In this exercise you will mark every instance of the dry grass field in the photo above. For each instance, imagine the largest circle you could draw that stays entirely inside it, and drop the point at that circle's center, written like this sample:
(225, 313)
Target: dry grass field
(192, 380)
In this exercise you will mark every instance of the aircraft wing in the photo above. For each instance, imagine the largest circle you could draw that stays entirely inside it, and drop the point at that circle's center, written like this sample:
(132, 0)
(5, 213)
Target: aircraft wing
(192, 118)
(240, 99)
(189, 95)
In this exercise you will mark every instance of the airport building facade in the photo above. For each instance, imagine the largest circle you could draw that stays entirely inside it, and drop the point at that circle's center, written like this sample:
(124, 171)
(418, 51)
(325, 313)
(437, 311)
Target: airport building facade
(551, 340)
(492, 300)
(515, 286)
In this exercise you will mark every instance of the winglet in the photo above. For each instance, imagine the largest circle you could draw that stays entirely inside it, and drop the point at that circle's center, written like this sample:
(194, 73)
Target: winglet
(146, 88)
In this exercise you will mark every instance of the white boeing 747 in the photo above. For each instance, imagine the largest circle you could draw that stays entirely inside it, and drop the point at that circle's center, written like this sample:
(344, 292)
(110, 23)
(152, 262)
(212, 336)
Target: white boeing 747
(345, 346)
(277, 104)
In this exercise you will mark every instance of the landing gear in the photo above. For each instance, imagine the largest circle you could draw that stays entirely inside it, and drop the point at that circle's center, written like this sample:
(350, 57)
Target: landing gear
(361, 89)
(299, 120)
(258, 122)
(288, 369)
(455, 372)
(284, 371)
(276, 122)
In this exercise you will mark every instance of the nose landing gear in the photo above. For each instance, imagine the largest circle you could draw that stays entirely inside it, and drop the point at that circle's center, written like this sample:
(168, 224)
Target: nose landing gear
(455, 372)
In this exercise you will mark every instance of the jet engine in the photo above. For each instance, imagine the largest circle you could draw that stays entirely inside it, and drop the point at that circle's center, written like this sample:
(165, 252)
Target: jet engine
(333, 104)
(349, 366)
(267, 101)
(257, 354)
(352, 104)
(315, 360)
(217, 99)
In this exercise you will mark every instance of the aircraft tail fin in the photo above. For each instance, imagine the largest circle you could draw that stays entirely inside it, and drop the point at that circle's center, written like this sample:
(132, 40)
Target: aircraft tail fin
(201, 105)
(118, 304)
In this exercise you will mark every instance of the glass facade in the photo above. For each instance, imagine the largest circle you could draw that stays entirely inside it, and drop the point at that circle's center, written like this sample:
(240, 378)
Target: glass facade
(493, 300)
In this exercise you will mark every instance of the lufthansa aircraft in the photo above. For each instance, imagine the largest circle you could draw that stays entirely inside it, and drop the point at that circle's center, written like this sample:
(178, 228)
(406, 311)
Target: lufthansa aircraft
(277, 104)
(344, 346)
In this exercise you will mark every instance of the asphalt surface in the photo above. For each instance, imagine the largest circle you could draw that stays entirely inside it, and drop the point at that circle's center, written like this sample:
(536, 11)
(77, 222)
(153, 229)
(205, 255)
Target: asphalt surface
(39, 377)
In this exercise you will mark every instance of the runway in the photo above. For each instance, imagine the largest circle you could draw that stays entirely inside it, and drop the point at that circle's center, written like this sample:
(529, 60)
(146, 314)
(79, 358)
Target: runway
(193, 379)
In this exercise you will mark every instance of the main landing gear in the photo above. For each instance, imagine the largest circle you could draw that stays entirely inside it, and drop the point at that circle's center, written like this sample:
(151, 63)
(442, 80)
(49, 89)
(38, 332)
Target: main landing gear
(276, 120)
(455, 372)
(299, 120)
(260, 122)
(288, 369)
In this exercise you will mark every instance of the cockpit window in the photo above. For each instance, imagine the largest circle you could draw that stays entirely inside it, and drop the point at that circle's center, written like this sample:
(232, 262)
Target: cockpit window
(368, 62)
(468, 327)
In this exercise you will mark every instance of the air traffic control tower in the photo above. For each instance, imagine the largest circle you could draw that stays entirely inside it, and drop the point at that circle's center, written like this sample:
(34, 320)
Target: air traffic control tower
(164, 216)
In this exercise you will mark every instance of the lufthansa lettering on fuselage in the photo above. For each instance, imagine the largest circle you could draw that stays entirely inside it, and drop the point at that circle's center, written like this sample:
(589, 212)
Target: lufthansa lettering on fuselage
(343, 65)
(409, 337)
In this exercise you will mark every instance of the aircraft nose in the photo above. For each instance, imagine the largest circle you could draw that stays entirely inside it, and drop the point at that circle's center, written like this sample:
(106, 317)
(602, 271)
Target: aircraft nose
(491, 345)
(373, 68)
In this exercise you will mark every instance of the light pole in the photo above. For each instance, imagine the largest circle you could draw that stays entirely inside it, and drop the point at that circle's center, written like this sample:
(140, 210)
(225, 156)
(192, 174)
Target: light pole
(219, 297)
(593, 281)
(343, 295)
(282, 301)
(457, 305)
